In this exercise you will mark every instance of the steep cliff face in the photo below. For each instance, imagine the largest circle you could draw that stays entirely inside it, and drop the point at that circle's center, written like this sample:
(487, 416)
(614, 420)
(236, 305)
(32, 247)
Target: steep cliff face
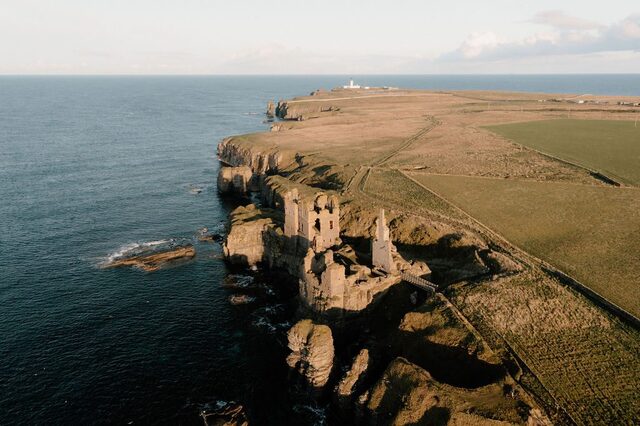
(237, 180)
(245, 243)
(312, 351)
(292, 110)
(261, 161)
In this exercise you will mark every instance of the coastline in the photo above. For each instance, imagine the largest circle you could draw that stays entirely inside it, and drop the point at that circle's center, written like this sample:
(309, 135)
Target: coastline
(459, 269)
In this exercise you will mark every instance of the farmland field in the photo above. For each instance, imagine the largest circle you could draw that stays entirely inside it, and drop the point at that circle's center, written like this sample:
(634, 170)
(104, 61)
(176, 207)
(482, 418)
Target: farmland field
(607, 146)
(587, 361)
(589, 232)
(394, 188)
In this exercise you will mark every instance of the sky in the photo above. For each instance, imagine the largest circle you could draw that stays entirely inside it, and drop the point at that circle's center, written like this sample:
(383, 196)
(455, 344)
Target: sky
(319, 37)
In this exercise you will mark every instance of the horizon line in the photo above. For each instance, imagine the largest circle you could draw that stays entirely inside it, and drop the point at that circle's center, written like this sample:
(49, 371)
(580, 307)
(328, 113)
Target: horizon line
(304, 75)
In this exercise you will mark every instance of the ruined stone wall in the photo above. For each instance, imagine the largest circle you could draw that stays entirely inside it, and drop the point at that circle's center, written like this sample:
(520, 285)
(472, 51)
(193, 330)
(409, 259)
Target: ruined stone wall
(382, 249)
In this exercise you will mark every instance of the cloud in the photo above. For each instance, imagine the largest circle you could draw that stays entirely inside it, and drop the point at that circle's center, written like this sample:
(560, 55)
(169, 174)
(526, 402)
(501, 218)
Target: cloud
(559, 19)
(278, 59)
(620, 36)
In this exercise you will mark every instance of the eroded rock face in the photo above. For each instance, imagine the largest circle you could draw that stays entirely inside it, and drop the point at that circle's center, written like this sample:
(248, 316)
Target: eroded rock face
(271, 109)
(236, 154)
(355, 374)
(312, 351)
(236, 180)
(245, 243)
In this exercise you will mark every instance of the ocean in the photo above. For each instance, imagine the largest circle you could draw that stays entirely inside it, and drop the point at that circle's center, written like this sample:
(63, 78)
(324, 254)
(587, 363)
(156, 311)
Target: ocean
(91, 167)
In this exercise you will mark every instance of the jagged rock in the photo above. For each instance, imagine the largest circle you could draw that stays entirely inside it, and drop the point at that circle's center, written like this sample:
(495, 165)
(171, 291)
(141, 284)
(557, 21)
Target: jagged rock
(239, 180)
(271, 109)
(355, 375)
(245, 243)
(312, 351)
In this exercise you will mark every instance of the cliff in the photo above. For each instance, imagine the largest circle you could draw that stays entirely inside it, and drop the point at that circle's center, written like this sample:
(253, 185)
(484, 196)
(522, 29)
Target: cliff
(238, 151)
(246, 241)
(238, 180)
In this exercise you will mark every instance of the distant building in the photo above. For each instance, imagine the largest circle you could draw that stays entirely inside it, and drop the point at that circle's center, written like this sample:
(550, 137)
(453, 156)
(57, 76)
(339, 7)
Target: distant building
(351, 85)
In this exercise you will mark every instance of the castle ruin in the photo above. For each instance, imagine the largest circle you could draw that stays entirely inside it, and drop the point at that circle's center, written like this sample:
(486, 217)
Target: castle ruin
(315, 222)
(382, 248)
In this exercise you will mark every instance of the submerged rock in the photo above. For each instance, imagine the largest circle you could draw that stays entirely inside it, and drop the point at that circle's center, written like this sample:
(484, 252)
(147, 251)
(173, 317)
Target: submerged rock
(225, 414)
(312, 351)
(240, 299)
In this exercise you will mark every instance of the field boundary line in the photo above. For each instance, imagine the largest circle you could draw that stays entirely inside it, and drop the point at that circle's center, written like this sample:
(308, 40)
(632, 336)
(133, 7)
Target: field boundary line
(563, 277)
(519, 179)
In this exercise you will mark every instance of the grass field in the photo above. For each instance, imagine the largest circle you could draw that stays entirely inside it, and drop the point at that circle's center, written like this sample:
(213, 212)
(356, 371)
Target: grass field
(395, 189)
(587, 361)
(609, 147)
(589, 232)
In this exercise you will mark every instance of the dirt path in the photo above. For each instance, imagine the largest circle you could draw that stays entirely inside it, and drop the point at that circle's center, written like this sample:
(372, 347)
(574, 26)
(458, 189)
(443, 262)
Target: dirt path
(432, 123)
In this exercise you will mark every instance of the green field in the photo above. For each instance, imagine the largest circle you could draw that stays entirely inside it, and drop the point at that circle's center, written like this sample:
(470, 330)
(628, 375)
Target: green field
(609, 147)
(394, 188)
(590, 232)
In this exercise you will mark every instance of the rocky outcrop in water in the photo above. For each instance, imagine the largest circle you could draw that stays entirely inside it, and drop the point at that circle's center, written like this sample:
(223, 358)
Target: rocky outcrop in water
(237, 180)
(225, 414)
(312, 351)
(153, 262)
(353, 376)
(271, 109)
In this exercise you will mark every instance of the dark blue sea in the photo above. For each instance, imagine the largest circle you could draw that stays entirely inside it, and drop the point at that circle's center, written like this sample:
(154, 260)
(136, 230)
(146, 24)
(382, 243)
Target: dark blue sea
(91, 167)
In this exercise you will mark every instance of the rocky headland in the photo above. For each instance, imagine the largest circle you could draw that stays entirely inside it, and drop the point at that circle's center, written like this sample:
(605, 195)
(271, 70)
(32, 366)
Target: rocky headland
(390, 280)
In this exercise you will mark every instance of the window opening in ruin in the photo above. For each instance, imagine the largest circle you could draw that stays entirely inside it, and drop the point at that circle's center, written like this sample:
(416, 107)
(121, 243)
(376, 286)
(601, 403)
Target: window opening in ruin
(330, 224)
(317, 225)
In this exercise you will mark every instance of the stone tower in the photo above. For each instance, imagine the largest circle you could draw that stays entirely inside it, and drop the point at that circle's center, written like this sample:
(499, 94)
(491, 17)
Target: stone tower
(291, 211)
(381, 246)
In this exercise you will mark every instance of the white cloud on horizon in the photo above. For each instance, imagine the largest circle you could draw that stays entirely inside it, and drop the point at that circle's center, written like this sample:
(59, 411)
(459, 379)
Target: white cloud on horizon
(620, 36)
(593, 47)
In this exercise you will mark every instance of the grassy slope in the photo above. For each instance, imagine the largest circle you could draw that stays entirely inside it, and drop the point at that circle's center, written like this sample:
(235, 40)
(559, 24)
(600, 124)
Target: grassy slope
(610, 147)
(589, 232)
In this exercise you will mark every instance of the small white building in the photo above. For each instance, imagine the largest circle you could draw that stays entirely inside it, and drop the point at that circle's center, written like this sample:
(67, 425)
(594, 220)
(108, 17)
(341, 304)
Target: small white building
(351, 85)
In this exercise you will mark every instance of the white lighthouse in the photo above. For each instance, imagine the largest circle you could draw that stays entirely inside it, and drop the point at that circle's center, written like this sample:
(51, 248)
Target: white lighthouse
(351, 85)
